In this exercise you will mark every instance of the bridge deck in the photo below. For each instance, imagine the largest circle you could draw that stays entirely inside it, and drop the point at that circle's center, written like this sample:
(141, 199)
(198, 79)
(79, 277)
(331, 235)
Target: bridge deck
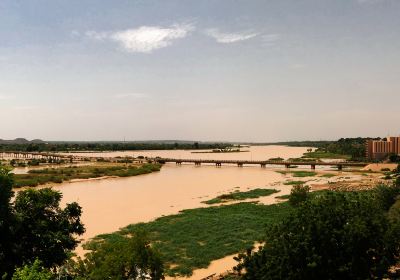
(262, 162)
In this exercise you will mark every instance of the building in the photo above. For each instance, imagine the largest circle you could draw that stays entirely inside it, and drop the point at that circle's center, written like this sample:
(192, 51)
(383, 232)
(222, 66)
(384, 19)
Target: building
(379, 149)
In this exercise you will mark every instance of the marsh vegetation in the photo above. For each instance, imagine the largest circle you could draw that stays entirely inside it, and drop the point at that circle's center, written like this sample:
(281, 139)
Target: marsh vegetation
(37, 177)
(238, 195)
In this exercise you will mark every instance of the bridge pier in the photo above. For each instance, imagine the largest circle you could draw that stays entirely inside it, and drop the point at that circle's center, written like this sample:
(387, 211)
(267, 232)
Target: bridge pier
(218, 164)
(313, 166)
(178, 163)
(263, 165)
(197, 163)
(287, 165)
(340, 167)
(240, 164)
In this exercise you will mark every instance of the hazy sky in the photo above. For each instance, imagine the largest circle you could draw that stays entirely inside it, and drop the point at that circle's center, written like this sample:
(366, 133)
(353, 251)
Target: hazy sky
(244, 70)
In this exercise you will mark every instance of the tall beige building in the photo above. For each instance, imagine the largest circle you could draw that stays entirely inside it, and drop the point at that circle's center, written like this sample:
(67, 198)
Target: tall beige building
(381, 148)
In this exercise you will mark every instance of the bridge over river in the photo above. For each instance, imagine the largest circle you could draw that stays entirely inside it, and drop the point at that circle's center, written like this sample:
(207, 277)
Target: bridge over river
(240, 163)
(264, 163)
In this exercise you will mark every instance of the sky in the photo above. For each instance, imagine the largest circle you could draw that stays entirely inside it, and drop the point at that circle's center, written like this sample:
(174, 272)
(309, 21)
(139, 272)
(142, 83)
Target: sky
(207, 70)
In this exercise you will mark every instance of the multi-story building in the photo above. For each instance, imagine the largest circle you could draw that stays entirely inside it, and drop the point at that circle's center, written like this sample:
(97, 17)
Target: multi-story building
(379, 149)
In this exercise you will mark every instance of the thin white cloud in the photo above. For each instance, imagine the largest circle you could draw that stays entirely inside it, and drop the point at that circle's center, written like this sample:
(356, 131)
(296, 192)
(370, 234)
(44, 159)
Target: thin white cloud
(370, 1)
(25, 108)
(144, 39)
(97, 35)
(131, 95)
(5, 97)
(226, 38)
(297, 66)
(270, 39)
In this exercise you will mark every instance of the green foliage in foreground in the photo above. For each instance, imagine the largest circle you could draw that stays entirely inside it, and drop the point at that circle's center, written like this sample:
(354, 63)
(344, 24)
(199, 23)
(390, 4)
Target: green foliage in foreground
(256, 193)
(34, 226)
(58, 175)
(126, 259)
(33, 272)
(194, 238)
(298, 195)
(331, 235)
(299, 173)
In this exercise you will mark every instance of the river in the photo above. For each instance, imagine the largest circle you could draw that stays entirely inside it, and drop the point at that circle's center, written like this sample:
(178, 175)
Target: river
(109, 204)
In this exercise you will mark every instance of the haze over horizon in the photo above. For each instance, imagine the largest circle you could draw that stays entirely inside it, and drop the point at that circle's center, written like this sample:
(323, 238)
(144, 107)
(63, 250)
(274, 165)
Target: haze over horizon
(252, 71)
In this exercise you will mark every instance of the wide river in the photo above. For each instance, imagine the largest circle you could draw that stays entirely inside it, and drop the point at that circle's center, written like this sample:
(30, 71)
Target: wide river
(109, 204)
(112, 203)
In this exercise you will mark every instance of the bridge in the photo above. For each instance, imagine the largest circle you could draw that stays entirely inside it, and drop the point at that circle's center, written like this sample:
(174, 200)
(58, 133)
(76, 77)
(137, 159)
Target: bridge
(241, 163)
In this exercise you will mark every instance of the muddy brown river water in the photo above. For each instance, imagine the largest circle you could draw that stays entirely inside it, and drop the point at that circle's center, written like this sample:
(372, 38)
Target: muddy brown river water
(109, 204)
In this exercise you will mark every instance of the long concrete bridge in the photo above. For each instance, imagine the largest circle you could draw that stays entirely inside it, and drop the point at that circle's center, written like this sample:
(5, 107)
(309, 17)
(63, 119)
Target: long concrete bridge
(262, 163)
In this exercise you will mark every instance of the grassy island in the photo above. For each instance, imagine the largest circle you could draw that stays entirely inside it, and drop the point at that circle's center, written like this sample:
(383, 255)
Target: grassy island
(299, 173)
(37, 177)
(323, 154)
(193, 238)
(237, 195)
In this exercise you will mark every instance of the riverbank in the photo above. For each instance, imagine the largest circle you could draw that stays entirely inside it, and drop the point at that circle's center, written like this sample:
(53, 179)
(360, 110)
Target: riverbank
(37, 177)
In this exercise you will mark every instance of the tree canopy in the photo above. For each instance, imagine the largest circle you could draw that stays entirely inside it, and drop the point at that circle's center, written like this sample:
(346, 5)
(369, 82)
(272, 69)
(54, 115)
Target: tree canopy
(34, 226)
(123, 259)
(35, 271)
(330, 236)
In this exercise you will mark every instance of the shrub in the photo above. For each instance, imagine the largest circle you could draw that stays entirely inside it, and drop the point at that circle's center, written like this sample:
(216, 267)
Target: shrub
(299, 194)
(33, 272)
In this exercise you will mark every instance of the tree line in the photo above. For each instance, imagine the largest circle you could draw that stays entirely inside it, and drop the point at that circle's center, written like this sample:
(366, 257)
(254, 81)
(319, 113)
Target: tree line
(108, 146)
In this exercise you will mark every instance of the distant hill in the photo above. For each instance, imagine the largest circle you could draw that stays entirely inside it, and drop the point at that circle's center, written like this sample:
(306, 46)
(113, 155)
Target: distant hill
(21, 141)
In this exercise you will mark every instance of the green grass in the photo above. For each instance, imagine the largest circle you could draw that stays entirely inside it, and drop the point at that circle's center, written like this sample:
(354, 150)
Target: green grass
(318, 155)
(285, 196)
(328, 175)
(193, 238)
(256, 193)
(58, 175)
(290, 183)
(299, 173)
(277, 159)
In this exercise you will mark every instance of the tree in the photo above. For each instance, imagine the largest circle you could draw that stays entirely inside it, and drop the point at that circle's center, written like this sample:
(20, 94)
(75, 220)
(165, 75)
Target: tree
(121, 259)
(331, 236)
(36, 271)
(394, 158)
(45, 231)
(6, 222)
(35, 227)
(387, 195)
(298, 194)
